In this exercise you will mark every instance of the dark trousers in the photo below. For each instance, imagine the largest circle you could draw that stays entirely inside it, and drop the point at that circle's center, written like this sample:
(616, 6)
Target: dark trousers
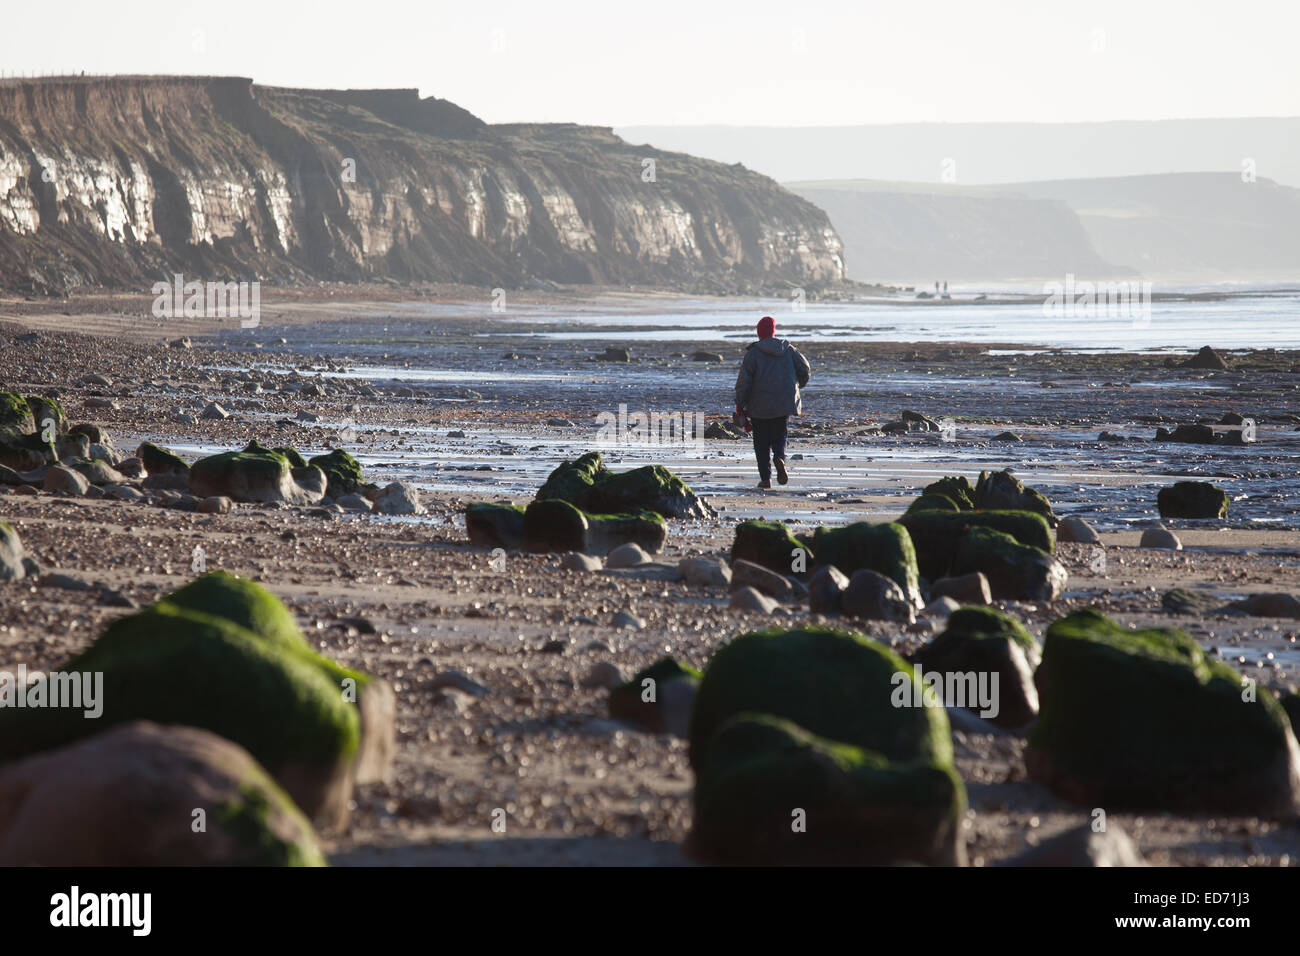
(769, 440)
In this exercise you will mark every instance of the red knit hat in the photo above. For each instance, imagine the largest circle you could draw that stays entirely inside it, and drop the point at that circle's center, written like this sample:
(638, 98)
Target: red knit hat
(766, 327)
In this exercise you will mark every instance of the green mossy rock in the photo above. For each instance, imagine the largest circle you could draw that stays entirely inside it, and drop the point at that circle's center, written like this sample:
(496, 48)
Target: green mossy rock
(255, 474)
(1192, 499)
(627, 702)
(173, 665)
(16, 414)
(758, 771)
(492, 525)
(883, 548)
(161, 461)
(1291, 704)
(554, 527)
(955, 488)
(292, 456)
(342, 471)
(1003, 491)
(1144, 720)
(982, 642)
(47, 410)
(607, 532)
(1014, 570)
(771, 544)
(936, 534)
(833, 683)
(587, 484)
(25, 451)
(933, 502)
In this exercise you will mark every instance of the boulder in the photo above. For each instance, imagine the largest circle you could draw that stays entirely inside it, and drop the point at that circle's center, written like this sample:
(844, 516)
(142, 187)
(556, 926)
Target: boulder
(1269, 605)
(1192, 499)
(1144, 720)
(980, 643)
(771, 544)
(256, 474)
(826, 590)
(966, 589)
(493, 525)
(1206, 358)
(11, 554)
(768, 792)
(1077, 531)
(872, 596)
(342, 472)
(216, 505)
(748, 574)
(1183, 601)
(833, 683)
(1083, 846)
(883, 548)
(1003, 491)
(16, 414)
(658, 698)
(752, 599)
(61, 479)
(589, 485)
(627, 556)
(933, 502)
(47, 414)
(705, 572)
(98, 473)
(1014, 570)
(937, 535)
(1190, 435)
(160, 461)
(1160, 538)
(397, 498)
(141, 794)
(955, 488)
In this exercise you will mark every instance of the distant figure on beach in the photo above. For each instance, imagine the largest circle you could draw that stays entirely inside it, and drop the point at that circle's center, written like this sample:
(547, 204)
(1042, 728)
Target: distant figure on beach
(767, 391)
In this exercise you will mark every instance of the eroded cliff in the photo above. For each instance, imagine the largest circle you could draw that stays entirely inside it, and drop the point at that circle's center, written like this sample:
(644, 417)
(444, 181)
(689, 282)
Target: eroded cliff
(126, 180)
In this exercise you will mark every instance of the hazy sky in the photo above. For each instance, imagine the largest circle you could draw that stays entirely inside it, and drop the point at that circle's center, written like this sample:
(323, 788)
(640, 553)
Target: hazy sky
(792, 63)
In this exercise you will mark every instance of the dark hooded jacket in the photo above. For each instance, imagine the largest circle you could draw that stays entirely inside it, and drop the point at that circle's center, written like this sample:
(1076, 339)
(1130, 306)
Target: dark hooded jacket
(770, 377)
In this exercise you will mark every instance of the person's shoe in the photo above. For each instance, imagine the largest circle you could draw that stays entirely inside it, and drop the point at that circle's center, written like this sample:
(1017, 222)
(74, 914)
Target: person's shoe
(781, 474)
(765, 485)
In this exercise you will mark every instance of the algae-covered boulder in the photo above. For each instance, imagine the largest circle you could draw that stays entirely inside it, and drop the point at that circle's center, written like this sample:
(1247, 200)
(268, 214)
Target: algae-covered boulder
(767, 792)
(11, 554)
(883, 548)
(47, 413)
(644, 528)
(172, 665)
(1014, 570)
(25, 451)
(16, 414)
(251, 606)
(658, 699)
(494, 525)
(129, 796)
(833, 683)
(937, 534)
(981, 642)
(342, 471)
(1192, 499)
(933, 502)
(256, 474)
(294, 457)
(771, 544)
(1144, 720)
(1003, 491)
(589, 485)
(955, 488)
(554, 526)
(160, 461)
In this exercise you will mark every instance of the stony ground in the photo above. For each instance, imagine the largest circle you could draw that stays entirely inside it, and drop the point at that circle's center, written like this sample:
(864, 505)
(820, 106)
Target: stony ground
(518, 729)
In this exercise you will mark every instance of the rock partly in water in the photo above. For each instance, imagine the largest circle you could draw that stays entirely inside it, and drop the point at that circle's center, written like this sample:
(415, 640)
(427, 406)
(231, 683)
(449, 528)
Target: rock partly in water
(1192, 499)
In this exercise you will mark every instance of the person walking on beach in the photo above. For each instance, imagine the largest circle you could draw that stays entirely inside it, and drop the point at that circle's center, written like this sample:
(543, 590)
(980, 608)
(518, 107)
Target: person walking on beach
(767, 391)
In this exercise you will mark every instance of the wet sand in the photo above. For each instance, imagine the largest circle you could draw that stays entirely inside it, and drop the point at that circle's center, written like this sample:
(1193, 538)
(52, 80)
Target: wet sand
(577, 787)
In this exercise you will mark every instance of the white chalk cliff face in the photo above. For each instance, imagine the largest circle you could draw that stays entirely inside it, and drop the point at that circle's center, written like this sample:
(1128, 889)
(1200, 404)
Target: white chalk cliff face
(122, 181)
